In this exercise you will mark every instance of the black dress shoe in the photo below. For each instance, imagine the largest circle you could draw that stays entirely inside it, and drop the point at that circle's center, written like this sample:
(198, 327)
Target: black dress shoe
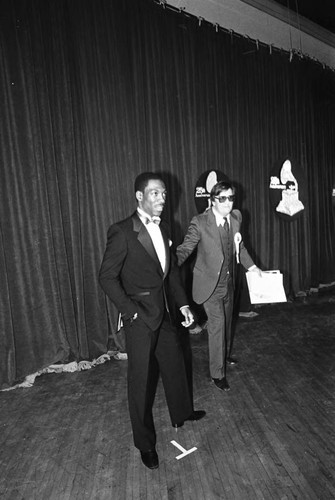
(232, 361)
(195, 415)
(221, 383)
(150, 459)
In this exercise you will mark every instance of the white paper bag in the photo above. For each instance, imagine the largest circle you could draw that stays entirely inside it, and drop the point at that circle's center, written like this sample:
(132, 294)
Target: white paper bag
(266, 289)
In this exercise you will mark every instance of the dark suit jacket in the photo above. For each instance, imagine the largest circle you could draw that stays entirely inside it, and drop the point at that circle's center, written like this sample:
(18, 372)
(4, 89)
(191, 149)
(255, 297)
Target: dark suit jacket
(203, 234)
(131, 274)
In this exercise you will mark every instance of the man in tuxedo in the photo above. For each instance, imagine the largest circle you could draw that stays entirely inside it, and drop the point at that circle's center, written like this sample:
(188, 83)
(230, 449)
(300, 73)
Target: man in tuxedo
(215, 234)
(139, 274)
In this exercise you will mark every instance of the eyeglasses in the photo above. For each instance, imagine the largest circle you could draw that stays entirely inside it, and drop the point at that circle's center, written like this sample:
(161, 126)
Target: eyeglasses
(223, 199)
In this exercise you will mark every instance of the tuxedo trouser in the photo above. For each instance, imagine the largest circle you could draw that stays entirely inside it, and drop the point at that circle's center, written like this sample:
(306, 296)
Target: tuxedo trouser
(219, 310)
(151, 353)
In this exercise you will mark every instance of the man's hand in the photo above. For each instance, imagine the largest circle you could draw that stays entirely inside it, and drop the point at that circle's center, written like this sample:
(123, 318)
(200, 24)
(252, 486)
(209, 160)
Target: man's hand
(255, 269)
(186, 312)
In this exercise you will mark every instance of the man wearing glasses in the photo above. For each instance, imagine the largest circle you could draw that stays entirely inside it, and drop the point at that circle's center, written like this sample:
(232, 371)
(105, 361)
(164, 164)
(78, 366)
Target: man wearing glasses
(215, 234)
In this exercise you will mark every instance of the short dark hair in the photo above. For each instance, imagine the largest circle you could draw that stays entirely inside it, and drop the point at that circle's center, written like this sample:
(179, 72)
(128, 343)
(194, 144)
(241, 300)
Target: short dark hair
(221, 186)
(142, 180)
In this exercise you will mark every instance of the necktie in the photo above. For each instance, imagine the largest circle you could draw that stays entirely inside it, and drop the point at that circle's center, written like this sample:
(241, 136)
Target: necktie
(225, 224)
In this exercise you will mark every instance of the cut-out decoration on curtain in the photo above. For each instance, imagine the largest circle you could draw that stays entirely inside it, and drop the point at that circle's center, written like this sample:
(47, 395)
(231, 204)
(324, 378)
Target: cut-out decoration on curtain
(204, 186)
(285, 193)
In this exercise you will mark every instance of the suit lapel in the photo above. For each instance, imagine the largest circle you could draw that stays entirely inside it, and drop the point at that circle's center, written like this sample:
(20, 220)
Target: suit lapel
(234, 226)
(213, 229)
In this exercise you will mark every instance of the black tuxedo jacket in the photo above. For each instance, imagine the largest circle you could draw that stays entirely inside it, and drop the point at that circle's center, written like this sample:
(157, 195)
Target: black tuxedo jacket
(131, 274)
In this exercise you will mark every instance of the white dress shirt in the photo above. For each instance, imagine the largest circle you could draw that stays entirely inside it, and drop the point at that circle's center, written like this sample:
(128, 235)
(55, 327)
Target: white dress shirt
(219, 219)
(155, 235)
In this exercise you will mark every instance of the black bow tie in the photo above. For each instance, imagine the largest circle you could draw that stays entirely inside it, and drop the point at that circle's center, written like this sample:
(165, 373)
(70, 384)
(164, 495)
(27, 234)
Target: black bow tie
(154, 219)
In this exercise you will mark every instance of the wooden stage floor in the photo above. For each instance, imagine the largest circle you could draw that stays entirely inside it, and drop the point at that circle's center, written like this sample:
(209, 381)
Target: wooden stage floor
(271, 437)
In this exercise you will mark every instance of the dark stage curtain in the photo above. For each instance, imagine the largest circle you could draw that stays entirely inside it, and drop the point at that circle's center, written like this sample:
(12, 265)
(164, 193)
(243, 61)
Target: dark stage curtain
(95, 92)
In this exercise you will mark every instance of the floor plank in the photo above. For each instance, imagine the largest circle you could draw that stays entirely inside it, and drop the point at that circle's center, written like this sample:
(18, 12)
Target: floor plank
(271, 437)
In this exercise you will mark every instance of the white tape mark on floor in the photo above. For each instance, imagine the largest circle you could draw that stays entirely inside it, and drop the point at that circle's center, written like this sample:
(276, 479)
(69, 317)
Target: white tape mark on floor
(184, 452)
